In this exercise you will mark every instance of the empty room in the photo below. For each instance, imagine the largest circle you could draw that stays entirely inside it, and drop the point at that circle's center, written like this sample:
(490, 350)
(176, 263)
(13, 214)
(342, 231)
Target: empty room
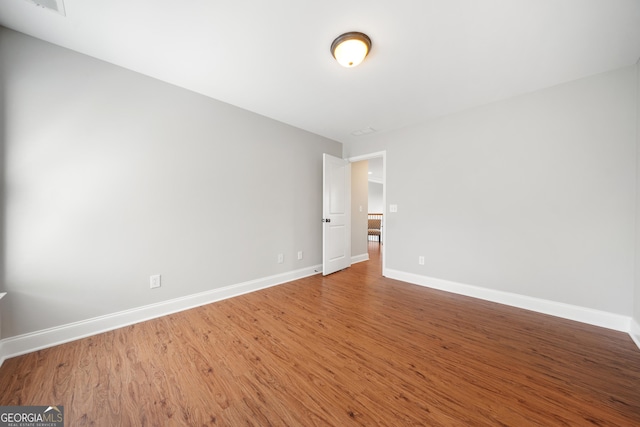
(188, 235)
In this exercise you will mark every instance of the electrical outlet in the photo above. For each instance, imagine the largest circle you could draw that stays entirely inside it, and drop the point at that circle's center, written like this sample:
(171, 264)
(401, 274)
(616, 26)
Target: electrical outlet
(299, 255)
(280, 258)
(421, 260)
(155, 281)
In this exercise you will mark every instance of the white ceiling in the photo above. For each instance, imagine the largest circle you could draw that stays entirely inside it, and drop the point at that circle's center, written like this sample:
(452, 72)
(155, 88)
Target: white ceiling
(429, 58)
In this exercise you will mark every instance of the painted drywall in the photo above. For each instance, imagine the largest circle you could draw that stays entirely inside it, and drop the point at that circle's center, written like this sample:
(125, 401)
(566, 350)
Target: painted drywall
(112, 176)
(359, 203)
(636, 315)
(534, 195)
(2, 193)
(375, 197)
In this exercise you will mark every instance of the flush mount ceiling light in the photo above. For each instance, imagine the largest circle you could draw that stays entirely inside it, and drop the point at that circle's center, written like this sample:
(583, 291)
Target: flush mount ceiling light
(350, 49)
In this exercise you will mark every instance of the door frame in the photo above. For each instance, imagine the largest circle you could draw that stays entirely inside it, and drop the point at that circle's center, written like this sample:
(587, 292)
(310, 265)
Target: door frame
(384, 236)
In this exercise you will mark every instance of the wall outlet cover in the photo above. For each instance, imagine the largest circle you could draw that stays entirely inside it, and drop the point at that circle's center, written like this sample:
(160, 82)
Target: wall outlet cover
(155, 281)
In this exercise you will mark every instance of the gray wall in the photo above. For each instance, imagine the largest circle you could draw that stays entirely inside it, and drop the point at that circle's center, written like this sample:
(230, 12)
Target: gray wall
(637, 281)
(2, 187)
(375, 198)
(112, 176)
(533, 195)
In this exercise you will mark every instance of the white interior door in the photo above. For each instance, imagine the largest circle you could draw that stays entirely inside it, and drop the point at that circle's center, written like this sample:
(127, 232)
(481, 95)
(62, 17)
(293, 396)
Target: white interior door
(336, 214)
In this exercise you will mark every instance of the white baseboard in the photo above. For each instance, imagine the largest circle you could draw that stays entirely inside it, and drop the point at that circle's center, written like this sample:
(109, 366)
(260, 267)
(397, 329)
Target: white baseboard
(634, 333)
(359, 258)
(567, 311)
(22, 344)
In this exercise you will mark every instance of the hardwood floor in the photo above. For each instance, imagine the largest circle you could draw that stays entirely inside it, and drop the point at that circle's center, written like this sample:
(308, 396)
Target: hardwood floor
(352, 348)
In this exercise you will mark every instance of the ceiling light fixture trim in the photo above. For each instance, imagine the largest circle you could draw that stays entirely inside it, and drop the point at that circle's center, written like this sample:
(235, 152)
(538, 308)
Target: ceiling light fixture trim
(350, 49)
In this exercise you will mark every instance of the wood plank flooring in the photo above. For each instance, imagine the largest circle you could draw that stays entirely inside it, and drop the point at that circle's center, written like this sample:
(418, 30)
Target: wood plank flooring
(353, 348)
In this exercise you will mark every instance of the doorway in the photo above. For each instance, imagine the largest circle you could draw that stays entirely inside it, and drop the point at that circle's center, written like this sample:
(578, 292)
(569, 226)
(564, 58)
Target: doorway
(376, 203)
